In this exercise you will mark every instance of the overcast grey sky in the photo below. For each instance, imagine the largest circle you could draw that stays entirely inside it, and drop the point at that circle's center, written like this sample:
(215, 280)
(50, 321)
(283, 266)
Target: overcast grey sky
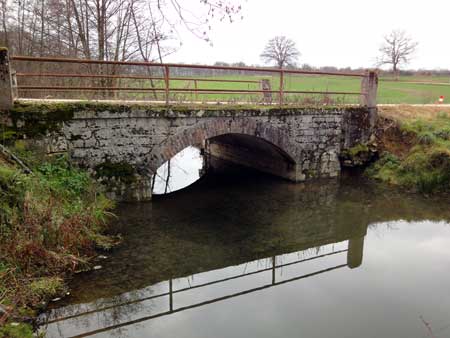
(327, 32)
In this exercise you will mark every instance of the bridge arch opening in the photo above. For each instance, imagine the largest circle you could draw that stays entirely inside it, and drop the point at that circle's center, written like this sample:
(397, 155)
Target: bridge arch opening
(227, 153)
(180, 171)
(251, 152)
(247, 142)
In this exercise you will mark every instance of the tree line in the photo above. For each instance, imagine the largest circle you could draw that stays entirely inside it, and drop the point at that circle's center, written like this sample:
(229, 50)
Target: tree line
(117, 30)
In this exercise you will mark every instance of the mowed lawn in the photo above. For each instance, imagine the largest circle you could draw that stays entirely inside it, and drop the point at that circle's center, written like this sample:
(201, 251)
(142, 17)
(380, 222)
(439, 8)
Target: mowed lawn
(407, 90)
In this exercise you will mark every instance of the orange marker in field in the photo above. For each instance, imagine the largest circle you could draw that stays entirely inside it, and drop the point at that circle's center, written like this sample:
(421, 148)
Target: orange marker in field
(441, 99)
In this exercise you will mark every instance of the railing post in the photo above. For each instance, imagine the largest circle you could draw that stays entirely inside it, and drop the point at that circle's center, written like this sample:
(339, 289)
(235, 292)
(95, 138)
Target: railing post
(196, 92)
(170, 295)
(166, 80)
(267, 91)
(369, 88)
(6, 85)
(281, 86)
(355, 252)
(274, 264)
(15, 90)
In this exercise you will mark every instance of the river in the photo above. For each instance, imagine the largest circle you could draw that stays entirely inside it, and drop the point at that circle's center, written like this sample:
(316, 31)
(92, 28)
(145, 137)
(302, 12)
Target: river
(255, 256)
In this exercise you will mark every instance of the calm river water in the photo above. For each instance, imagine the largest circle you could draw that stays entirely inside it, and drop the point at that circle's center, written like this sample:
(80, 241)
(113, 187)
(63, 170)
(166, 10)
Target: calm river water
(259, 257)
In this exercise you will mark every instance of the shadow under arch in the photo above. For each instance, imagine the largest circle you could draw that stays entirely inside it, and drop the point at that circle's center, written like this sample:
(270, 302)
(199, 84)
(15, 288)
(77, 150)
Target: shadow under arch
(231, 140)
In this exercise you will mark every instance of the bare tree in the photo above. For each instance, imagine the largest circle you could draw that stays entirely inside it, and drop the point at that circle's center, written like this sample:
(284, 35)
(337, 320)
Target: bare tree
(3, 14)
(110, 30)
(397, 49)
(282, 51)
(105, 29)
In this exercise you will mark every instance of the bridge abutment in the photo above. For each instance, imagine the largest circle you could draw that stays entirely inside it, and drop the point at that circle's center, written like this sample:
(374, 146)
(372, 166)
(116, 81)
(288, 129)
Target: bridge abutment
(131, 187)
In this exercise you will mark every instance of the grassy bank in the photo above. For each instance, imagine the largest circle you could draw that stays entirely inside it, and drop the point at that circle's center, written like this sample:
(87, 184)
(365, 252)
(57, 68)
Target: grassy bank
(50, 225)
(415, 148)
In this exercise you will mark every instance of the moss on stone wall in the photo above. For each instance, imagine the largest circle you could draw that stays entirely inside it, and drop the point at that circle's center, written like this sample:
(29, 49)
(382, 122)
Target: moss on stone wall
(359, 155)
(36, 120)
(63, 111)
(122, 171)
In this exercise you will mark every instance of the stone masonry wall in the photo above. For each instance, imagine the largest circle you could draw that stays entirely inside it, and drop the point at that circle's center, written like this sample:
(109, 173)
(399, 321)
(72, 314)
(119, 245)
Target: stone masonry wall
(138, 139)
(146, 141)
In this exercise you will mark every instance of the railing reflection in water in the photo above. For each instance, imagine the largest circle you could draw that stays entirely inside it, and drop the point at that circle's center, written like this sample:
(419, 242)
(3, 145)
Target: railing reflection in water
(271, 276)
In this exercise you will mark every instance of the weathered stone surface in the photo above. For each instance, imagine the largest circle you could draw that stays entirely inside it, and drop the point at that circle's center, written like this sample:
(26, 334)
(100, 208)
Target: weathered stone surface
(310, 139)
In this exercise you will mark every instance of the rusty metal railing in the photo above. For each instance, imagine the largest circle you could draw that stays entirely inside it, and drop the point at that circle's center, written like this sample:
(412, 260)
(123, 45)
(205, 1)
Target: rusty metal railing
(47, 77)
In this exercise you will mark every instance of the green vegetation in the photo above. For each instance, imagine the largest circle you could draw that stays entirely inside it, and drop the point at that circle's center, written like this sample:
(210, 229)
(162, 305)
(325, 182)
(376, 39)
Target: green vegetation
(359, 155)
(425, 165)
(50, 224)
(16, 330)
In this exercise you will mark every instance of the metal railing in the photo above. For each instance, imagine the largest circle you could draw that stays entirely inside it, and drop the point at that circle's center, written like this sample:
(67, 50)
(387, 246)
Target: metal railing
(47, 77)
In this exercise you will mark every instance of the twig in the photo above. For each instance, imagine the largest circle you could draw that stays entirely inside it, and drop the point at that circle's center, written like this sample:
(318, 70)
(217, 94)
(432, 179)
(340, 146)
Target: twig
(428, 326)
(10, 155)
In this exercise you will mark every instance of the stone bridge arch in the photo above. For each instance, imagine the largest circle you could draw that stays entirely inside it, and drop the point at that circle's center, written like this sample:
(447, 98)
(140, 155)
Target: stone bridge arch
(277, 137)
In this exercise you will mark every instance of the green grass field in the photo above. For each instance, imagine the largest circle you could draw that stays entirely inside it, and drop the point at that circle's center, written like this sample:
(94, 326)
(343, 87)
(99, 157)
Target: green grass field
(408, 90)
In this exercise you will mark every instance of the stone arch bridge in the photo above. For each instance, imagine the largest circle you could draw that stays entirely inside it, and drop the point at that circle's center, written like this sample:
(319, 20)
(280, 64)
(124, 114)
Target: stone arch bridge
(124, 144)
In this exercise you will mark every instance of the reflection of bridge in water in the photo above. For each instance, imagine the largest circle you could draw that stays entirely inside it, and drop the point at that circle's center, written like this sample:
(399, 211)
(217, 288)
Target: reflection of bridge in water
(308, 263)
(233, 240)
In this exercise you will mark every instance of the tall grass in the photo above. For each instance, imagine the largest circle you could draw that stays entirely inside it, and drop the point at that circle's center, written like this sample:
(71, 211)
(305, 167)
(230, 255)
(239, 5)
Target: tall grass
(50, 223)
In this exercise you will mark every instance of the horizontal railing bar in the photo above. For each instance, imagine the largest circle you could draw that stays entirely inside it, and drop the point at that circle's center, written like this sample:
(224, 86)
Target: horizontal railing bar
(183, 90)
(135, 77)
(259, 271)
(196, 286)
(319, 92)
(180, 65)
(212, 301)
(431, 83)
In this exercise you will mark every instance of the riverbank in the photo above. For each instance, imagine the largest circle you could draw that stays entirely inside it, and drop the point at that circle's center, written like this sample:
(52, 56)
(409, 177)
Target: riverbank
(51, 222)
(414, 147)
